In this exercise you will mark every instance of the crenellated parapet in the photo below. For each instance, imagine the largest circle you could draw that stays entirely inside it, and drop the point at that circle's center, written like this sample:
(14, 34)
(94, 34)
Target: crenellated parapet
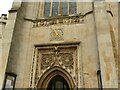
(3, 18)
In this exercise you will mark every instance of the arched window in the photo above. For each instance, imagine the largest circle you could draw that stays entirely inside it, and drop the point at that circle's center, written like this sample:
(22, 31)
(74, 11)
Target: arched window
(59, 7)
(55, 8)
(64, 7)
(72, 7)
(47, 8)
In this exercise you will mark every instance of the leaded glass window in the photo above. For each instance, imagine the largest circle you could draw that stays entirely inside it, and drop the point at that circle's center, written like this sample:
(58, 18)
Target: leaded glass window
(47, 8)
(72, 7)
(64, 7)
(55, 8)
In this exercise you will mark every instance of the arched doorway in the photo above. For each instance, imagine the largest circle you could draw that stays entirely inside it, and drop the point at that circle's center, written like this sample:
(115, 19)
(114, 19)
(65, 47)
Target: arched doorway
(58, 83)
(55, 75)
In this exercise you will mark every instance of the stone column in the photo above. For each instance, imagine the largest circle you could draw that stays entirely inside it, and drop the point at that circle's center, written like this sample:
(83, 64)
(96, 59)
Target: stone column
(105, 49)
(7, 37)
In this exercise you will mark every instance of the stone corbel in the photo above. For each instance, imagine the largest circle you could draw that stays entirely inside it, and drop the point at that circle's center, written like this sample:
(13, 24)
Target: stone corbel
(13, 10)
(16, 6)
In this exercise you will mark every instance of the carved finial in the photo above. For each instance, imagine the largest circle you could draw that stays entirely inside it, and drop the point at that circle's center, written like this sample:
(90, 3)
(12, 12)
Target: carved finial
(56, 49)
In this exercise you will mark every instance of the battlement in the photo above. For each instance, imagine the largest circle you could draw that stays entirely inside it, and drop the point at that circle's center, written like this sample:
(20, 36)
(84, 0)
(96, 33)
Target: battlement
(3, 18)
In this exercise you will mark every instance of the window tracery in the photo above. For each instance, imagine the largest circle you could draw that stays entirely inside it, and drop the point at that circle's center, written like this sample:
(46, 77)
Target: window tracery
(59, 7)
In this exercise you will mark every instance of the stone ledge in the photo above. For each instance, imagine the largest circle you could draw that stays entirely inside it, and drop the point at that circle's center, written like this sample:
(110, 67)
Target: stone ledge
(58, 44)
(47, 21)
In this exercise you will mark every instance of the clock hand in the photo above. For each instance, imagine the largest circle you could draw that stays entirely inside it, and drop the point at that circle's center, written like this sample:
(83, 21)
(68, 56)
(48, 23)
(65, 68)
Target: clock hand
(56, 32)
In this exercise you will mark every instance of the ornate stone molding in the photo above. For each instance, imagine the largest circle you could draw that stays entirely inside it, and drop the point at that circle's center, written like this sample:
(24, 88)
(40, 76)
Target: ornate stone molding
(47, 21)
(47, 57)
(62, 57)
(58, 20)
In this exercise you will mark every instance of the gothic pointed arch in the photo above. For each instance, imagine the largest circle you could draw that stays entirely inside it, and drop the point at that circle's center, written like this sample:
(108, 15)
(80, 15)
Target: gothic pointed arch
(52, 72)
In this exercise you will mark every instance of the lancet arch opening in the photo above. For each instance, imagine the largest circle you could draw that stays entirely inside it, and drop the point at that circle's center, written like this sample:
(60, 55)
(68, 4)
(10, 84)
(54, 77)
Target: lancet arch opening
(55, 75)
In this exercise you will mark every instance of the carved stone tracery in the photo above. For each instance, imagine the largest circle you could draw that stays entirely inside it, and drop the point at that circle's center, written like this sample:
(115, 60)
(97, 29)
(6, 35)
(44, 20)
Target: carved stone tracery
(47, 21)
(47, 60)
(67, 59)
(63, 57)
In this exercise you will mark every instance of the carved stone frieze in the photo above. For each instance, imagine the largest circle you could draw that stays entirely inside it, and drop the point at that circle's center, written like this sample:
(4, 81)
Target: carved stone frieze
(63, 57)
(58, 20)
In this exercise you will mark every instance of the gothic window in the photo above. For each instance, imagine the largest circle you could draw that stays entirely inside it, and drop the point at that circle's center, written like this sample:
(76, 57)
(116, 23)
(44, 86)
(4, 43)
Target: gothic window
(55, 8)
(72, 7)
(59, 7)
(47, 8)
(64, 7)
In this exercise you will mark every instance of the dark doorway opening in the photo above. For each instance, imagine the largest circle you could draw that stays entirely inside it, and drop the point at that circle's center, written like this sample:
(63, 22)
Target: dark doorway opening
(58, 83)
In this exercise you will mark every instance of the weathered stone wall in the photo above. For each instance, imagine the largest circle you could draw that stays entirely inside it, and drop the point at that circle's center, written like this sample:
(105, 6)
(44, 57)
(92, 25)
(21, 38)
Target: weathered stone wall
(7, 35)
(106, 54)
(112, 9)
(3, 21)
(119, 45)
(93, 33)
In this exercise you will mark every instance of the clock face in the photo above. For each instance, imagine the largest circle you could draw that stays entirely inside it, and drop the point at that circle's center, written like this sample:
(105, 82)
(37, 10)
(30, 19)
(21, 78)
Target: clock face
(56, 34)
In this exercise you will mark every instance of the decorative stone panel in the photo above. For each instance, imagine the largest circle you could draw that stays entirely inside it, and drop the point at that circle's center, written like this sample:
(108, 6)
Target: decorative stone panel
(48, 57)
(58, 20)
(56, 34)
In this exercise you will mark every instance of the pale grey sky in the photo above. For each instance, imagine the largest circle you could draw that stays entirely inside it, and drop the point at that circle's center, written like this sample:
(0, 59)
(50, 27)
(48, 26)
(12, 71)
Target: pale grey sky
(5, 5)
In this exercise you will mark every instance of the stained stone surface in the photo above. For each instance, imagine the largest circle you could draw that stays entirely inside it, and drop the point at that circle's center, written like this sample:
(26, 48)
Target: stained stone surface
(96, 29)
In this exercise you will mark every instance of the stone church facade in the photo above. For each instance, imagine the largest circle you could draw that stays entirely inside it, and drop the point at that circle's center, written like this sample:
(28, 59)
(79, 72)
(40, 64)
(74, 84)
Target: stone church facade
(55, 44)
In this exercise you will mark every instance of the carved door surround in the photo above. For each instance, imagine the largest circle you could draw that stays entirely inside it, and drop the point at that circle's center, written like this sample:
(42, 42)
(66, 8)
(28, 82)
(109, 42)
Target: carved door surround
(52, 60)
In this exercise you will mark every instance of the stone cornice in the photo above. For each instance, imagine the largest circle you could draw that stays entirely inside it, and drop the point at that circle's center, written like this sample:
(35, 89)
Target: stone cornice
(47, 21)
(58, 20)
(58, 44)
(13, 10)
